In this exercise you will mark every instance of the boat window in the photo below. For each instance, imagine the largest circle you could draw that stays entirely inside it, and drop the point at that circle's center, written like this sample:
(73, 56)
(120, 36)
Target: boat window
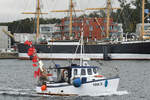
(75, 72)
(91, 28)
(90, 34)
(83, 72)
(89, 71)
(94, 70)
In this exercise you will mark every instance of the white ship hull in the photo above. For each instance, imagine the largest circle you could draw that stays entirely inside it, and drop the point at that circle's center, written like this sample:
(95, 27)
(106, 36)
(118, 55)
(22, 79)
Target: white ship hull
(92, 56)
(95, 88)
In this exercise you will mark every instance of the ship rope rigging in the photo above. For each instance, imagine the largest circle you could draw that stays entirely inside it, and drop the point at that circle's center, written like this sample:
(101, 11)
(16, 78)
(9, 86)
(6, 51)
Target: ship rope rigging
(108, 10)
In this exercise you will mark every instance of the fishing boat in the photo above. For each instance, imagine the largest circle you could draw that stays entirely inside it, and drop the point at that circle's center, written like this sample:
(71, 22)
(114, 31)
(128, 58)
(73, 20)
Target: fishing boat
(79, 81)
(74, 79)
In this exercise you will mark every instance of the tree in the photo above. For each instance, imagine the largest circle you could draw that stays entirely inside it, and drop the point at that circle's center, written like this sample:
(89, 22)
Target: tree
(28, 25)
(131, 14)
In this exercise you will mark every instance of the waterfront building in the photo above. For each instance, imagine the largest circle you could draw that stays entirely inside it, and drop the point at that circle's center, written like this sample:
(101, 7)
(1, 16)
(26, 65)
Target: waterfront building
(94, 28)
(5, 41)
(146, 30)
(22, 37)
(47, 31)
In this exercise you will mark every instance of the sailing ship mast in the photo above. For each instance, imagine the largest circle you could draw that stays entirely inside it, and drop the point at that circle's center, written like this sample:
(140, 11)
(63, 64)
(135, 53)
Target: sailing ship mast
(108, 7)
(70, 16)
(38, 12)
(38, 9)
(143, 7)
(70, 25)
(108, 18)
(143, 18)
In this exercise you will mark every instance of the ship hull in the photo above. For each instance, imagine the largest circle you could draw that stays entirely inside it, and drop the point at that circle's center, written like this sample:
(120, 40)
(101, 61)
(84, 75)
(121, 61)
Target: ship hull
(132, 50)
(62, 56)
(93, 88)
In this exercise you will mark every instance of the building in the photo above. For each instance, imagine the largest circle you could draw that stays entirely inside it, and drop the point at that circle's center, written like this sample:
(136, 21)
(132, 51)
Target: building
(94, 28)
(47, 31)
(146, 30)
(5, 41)
(118, 35)
(22, 37)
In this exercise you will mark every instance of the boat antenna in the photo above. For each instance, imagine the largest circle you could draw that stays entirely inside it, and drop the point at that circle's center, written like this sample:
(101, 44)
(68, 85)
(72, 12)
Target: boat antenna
(82, 45)
(37, 13)
(108, 8)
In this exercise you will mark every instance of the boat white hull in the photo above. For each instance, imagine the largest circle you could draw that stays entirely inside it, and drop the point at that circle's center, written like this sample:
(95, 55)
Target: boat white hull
(92, 56)
(96, 88)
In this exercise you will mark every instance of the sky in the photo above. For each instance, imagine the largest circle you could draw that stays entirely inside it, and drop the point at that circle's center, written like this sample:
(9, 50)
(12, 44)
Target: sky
(10, 10)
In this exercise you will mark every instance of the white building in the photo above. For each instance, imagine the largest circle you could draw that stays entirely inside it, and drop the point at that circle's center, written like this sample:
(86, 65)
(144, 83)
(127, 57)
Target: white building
(47, 31)
(47, 28)
(5, 41)
(22, 37)
(146, 30)
(117, 35)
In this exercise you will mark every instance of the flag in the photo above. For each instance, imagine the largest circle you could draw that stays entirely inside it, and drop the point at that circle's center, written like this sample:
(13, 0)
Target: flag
(29, 43)
(34, 65)
(34, 59)
(35, 74)
(38, 72)
(31, 51)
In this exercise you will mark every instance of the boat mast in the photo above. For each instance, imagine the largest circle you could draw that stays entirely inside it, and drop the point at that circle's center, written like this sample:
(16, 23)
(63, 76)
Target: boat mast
(108, 17)
(143, 7)
(81, 45)
(70, 25)
(38, 12)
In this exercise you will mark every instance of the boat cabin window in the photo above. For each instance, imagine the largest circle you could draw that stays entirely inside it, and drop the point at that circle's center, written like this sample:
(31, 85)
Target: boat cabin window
(75, 72)
(83, 72)
(89, 71)
(95, 70)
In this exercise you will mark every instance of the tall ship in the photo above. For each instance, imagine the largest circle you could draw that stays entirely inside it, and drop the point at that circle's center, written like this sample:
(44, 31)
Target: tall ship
(64, 49)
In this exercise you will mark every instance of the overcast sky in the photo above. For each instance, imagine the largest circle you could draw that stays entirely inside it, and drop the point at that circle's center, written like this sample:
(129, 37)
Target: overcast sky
(11, 10)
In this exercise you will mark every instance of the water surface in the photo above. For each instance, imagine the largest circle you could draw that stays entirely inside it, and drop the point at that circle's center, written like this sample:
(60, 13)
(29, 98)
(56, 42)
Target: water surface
(17, 81)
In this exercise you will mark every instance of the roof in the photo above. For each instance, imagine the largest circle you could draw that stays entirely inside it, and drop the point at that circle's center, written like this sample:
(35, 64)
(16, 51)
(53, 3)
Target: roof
(76, 66)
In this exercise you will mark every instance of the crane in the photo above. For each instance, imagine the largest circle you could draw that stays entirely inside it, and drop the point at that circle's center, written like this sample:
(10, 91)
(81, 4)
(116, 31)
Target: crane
(8, 33)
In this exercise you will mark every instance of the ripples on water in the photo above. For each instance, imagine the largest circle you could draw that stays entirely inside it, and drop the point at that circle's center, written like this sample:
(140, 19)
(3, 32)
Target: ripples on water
(17, 81)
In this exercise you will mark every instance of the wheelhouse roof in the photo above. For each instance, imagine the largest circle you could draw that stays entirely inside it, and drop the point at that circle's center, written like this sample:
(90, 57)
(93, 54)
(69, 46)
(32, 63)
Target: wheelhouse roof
(76, 66)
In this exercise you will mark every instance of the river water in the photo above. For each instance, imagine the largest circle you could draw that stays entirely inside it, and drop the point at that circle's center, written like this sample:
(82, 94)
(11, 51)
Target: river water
(18, 83)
